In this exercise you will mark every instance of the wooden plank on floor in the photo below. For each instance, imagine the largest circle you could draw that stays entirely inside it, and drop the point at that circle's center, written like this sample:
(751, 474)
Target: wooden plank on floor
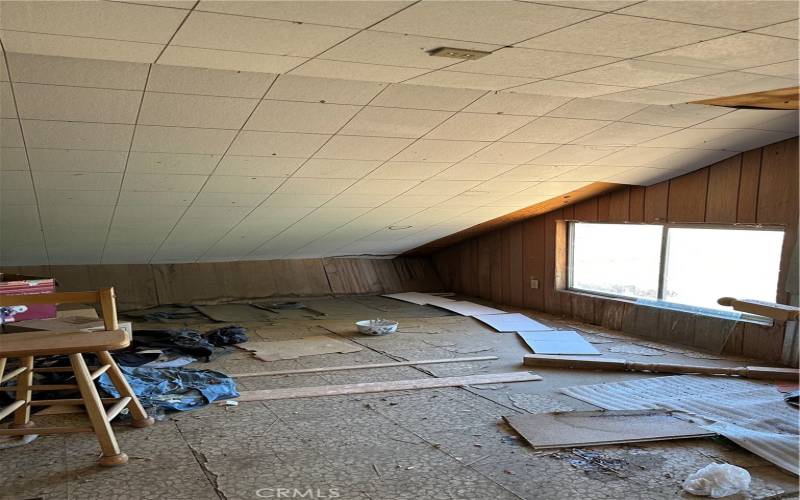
(364, 367)
(396, 385)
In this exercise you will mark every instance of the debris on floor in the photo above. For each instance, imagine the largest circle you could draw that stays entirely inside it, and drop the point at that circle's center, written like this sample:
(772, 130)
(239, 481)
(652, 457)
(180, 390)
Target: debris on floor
(717, 481)
(293, 349)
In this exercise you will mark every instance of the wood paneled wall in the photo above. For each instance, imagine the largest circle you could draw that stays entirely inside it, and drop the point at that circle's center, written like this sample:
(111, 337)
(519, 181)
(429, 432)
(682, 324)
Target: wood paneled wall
(755, 187)
(144, 285)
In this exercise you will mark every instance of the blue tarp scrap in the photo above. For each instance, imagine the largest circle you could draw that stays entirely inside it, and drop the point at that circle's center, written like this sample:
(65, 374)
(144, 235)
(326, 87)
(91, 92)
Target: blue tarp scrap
(174, 388)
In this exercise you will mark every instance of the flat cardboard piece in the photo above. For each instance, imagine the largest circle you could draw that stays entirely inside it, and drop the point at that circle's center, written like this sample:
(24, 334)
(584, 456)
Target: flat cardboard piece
(511, 322)
(420, 299)
(465, 308)
(589, 428)
(558, 342)
(293, 349)
(235, 313)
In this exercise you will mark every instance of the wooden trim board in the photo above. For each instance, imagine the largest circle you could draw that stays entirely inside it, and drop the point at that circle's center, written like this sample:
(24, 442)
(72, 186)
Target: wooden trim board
(364, 367)
(396, 385)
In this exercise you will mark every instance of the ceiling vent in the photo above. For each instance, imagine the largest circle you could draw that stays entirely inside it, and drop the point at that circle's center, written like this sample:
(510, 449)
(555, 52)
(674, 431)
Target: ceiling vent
(455, 53)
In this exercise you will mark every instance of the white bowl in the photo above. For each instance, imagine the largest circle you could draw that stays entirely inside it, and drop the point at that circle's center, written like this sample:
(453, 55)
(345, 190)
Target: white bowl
(376, 326)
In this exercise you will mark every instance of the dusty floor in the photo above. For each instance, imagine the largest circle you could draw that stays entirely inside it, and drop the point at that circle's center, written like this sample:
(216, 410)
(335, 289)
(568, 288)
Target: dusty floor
(428, 444)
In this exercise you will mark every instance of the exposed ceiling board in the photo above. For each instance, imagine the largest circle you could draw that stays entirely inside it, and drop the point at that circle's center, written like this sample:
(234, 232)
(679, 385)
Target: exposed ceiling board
(347, 14)
(739, 15)
(372, 140)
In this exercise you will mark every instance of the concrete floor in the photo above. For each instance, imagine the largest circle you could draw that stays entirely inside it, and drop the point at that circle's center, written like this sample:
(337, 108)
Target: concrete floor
(428, 444)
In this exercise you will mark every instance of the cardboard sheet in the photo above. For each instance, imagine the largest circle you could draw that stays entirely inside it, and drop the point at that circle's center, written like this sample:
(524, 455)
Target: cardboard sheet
(589, 428)
(558, 342)
(511, 322)
(465, 308)
(235, 313)
(305, 346)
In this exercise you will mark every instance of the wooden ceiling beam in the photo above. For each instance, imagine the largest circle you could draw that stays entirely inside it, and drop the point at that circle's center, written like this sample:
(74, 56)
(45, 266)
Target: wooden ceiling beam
(770, 99)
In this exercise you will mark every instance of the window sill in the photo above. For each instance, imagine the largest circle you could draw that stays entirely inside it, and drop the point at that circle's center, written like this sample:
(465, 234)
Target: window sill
(698, 311)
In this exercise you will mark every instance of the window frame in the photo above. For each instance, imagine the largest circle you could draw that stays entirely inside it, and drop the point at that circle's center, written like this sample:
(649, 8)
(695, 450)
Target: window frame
(569, 225)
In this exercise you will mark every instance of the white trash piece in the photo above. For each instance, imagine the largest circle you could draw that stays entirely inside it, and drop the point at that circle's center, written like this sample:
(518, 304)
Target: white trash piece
(717, 480)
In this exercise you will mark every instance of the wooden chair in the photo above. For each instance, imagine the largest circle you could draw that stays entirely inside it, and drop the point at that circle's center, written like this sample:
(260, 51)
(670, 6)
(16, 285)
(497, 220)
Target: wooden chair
(27, 345)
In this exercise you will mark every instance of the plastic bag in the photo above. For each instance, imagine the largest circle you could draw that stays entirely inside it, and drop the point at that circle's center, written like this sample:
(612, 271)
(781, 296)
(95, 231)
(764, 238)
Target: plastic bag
(717, 480)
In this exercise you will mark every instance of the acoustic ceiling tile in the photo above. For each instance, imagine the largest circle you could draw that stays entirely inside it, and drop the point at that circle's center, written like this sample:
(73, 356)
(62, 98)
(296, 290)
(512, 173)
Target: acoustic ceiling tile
(362, 148)
(426, 150)
(741, 15)
(416, 201)
(642, 176)
(155, 198)
(54, 102)
(624, 134)
(285, 116)
(679, 115)
(242, 184)
(636, 156)
(251, 143)
(295, 201)
(690, 159)
(181, 140)
(510, 103)
(462, 80)
(382, 187)
(347, 14)
(518, 201)
(171, 163)
(77, 181)
(15, 180)
(425, 97)
(247, 34)
(109, 20)
(478, 127)
(269, 166)
(407, 170)
(204, 81)
(175, 55)
(330, 90)
(788, 29)
(141, 216)
(11, 134)
(3, 68)
(555, 130)
(590, 173)
(31, 68)
(467, 171)
(655, 97)
(573, 154)
(596, 109)
(636, 73)
(499, 185)
(394, 122)
(440, 187)
(314, 186)
(532, 63)
(76, 135)
(323, 68)
(741, 50)
(469, 199)
(10, 197)
(535, 172)
(80, 47)
(566, 89)
(554, 188)
(374, 47)
(598, 5)
(359, 200)
(163, 182)
(719, 139)
(623, 36)
(75, 160)
(759, 119)
(489, 212)
(787, 69)
(13, 159)
(510, 152)
(730, 83)
(336, 169)
(182, 110)
(8, 109)
(215, 216)
(481, 21)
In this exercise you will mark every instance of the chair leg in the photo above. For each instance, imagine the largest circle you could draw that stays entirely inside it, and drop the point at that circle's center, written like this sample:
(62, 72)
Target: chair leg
(97, 414)
(139, 417)
(22, 416)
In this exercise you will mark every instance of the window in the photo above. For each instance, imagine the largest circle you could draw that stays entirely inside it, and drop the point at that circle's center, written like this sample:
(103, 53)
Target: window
(687, 265)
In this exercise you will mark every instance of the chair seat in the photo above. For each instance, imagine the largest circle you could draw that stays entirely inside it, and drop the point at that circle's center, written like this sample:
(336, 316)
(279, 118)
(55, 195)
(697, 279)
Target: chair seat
(15, 345)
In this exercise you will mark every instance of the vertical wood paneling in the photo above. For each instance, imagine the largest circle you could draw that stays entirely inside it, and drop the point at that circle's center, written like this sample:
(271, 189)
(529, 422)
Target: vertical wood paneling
(636, 205)
(533, 252)
(586, 210)
(485, 265)
(656, 198)
(723, 190)
(619, 205)
(603, 208)
(748, 186)
(552, 302)
(516, 273)
(687, 197)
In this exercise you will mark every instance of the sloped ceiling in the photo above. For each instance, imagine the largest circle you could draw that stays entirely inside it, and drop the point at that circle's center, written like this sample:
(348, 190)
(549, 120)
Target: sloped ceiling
(179, 131)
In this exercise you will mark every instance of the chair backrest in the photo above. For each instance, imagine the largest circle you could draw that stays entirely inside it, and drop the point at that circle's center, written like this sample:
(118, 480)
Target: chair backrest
(105, 297)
